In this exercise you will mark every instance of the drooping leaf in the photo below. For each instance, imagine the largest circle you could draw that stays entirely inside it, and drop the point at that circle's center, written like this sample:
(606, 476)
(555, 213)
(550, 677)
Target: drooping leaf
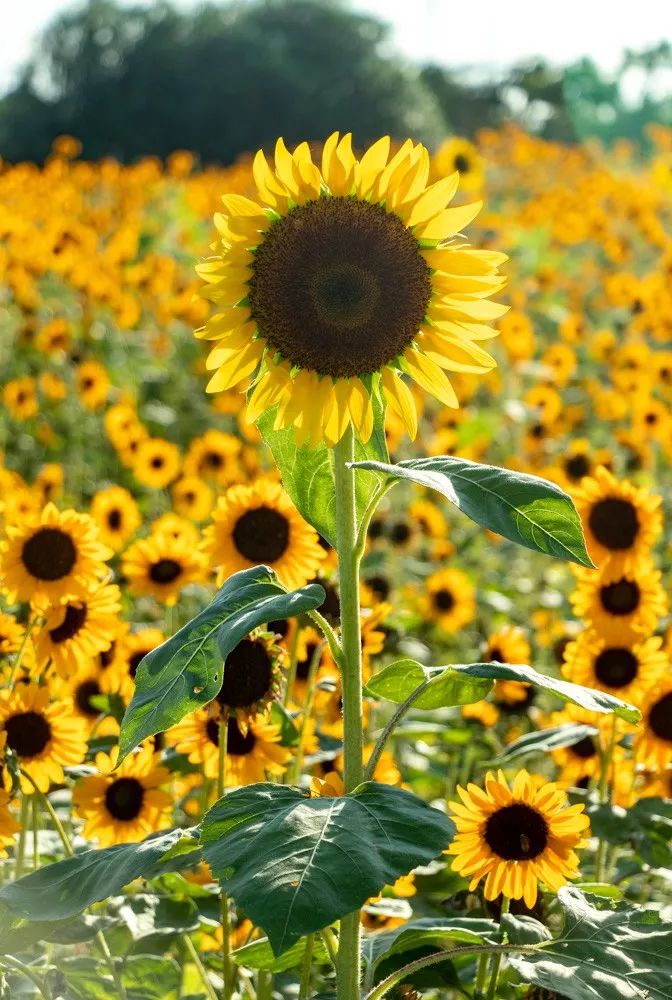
(546, 740)
(646, 827)
(397, 684)
(295, 864)
(71, 931)
(147, 915)
(525, 509)
(620, 952)
(68, 887)
(186, 671)
(308, 473)
(441, 933)
(259, 955)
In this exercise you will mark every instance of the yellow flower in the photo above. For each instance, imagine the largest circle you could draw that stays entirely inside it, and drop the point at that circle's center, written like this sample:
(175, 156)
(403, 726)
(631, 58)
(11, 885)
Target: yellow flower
(161, 566)
(76, 631)
(449, 599)
(341, 277)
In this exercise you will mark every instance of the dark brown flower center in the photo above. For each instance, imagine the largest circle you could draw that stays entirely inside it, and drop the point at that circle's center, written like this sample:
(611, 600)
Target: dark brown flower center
(660, 718)
(262, 535)
(584, 748)
(236, 744)
(577, 467)
(614, 523)
(303, 665)
(516, 832)
(248, 674)
(124, 798)
(165, 570)
(28, 733)
(135, 661)
(616, 666)
(73, 620)
(400, 533)
(461, 163)
(444, 600)
(621, 597)
(114, 519)
(49, 554)
(83, 695)
(339, 286)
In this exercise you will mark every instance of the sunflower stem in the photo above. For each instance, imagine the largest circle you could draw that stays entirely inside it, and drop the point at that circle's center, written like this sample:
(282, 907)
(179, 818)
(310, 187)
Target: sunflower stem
(264, 985)
(228, 970)
(21, 652)
(306, 712)
(481, 976)
(36, 826)
(497, 958)
(330, 943)
(306, 968)
(200, 968)
(604, 796)
(349, 960)
(291, 669)
(9, 962)
(21, 846)
(389, 729)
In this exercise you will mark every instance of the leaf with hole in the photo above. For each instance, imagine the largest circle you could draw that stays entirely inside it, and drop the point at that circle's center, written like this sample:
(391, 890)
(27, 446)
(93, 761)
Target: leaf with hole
(295, 864)
(525, 509)
(185, 672)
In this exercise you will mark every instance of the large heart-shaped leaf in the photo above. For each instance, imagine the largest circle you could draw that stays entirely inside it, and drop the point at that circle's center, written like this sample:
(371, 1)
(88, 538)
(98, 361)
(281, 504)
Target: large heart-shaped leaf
(295, 864)
(308, 473)
(400, 679)
(68, 887)
(619, 953)
(185, 672)
(525, 509)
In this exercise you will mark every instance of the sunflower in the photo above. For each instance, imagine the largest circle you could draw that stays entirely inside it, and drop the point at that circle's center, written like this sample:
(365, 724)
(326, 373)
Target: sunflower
(128, 653)
(117, 515)
(619, 607)
(125, 805)
(336, 280)
(653, 742)
(51, 556)
(44, 736)
(429, 518)
(449, 599)
(162, 566)
(508, 645)
(249, 757)
(215, 456)
(259, 525)
(93, 384)
(516, 837)
(20, 398)
(49, 482)
(461, 155)
(8, 825)
(156, 462)
(622, 669)
(251, 678)
(621, 522)
(12, 634)
(192, 498)
(76, 631)
(178, 528)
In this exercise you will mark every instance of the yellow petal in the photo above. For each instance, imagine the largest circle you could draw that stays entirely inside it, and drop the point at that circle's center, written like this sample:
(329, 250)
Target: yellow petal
(448, 222)
(433, 200)
(371, 165)
(428, 375)
(400, 398)
(268, 185)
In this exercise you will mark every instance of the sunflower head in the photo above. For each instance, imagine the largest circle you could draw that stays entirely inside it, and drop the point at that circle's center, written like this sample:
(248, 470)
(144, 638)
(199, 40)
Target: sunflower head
(251, 678)
(338, 278)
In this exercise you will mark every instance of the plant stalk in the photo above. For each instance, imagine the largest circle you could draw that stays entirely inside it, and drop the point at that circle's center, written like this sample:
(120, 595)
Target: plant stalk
(497, 958)
(228, 970)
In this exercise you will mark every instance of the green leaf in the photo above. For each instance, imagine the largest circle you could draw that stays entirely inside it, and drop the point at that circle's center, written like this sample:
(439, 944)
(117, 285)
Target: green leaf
(295, 864)
(646, 827)
(397, 681)
(65, 888)
(259, 955)
(618, 953)
(147, 977)
(525, 509)
(185, 672)
(146, 915)
(546, 740)
(71, 931)
(87, 979)
(400, 682)
(308, 473)
(440, 933)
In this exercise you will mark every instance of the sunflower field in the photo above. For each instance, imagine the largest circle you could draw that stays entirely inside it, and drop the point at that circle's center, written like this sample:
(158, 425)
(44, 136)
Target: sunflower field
(334, 572)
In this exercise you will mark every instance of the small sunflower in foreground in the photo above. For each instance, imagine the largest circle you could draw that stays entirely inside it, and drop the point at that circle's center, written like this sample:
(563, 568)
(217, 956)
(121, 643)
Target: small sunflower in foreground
(122, 806)
(52, 556)
(338, 279)
(516, 837)
(249, 756)
(117, 515)
(75, 632)
(620, 607)
(653, 741)
(259, 525)
(46, 737)
(161, 566)
(625, 670)
(449, 600)
(621, 522)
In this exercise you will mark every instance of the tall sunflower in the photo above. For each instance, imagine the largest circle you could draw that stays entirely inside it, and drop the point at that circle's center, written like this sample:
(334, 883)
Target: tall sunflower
(621, 521)
(337, 279)
(516, 837)
(76, 631)
(51, 556)
(653, 742)
(259, 524)
(251, 678)
(624, 669)
(44, 735)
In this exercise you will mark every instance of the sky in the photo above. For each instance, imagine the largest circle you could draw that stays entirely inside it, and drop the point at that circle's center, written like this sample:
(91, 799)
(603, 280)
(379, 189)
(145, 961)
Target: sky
(486, 33)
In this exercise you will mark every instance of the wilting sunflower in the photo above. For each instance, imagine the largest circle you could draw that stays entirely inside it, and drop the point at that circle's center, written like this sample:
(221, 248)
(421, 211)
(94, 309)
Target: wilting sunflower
(251, 678)
(44, 736)
(516, 837)
(622, 606)
(625, 670)
(249, 757)
(259, 525)
(76, 631)
(117, 515)
(125, 805)
(653, 742)
(621, 522)
(449, 599)
(162, 566)
(337, 279)
(52, 556)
